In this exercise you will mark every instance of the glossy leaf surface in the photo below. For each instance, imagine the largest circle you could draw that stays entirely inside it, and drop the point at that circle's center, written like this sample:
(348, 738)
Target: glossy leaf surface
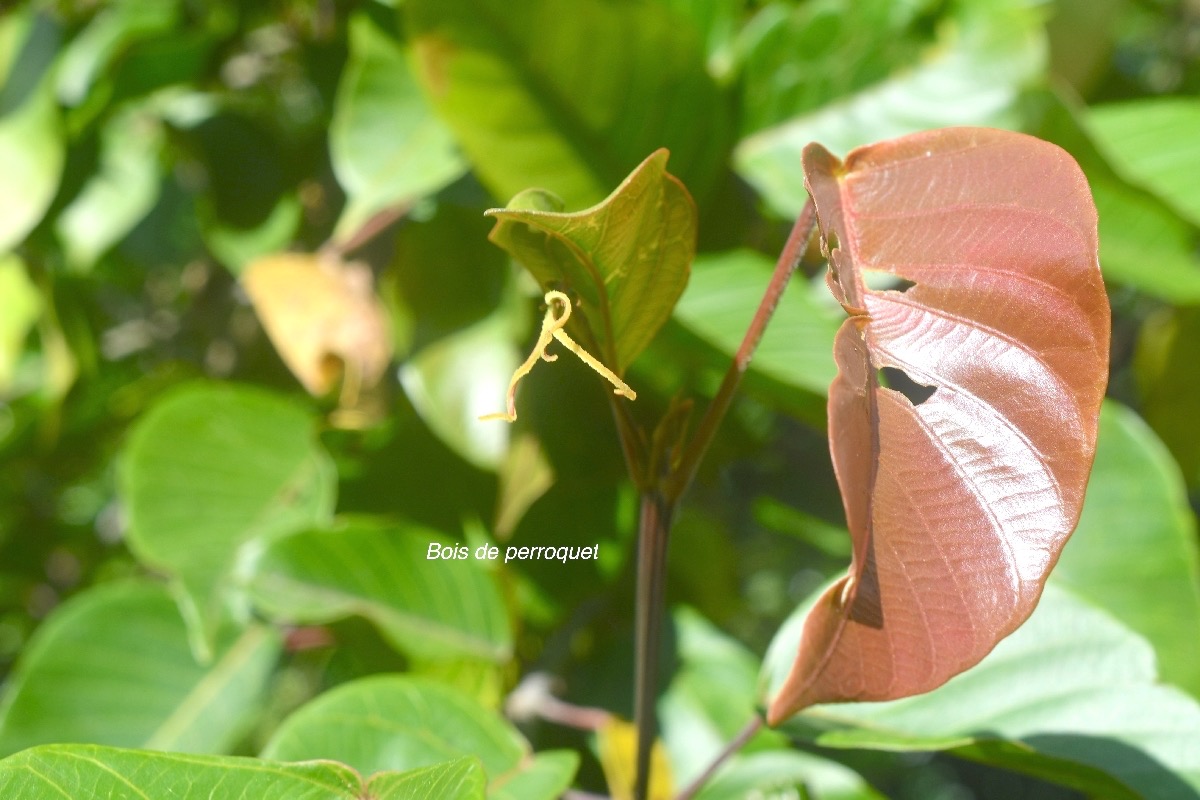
(626, 260)
(960, 500)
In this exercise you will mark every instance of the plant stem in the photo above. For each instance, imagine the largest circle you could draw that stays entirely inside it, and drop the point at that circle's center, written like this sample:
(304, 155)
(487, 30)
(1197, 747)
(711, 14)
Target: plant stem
(797, 241)
(739, 741)
(654, 528)
(660, 496)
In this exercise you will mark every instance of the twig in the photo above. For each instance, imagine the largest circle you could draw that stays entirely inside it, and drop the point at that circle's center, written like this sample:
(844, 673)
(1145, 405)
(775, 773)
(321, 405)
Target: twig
(737, 743)
(660, 496)
(789, 259)
(654, 528)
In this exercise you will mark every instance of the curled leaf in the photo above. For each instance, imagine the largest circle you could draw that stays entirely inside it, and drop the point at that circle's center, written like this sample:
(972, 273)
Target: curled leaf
(963, 418)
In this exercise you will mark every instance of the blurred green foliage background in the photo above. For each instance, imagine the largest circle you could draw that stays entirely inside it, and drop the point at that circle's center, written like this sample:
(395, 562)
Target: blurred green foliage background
(151, 149)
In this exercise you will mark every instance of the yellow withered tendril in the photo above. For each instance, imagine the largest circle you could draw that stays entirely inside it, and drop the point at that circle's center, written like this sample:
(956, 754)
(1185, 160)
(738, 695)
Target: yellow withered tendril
(553, 328)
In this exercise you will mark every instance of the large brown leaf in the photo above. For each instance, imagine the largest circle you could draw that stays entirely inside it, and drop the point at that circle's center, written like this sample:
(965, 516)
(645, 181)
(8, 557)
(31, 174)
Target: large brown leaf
(959, 504)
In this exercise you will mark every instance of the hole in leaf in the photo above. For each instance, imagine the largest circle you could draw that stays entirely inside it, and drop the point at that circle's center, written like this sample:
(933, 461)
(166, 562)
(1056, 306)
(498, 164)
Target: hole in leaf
(831, 241)
(881, 281)
(898, 380)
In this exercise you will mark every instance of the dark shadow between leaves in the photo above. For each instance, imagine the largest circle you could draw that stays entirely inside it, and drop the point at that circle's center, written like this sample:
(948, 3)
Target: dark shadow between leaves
(1075, 760)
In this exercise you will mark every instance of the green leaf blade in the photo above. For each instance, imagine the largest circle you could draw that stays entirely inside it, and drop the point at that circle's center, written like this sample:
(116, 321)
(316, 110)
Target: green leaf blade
(529, 108)
(386, 145)
(114, 667)
(209, 470)
(1134, 552)
(627, 259)
(461, 779)
(396, 722)
(1071, 696)
(1153, 142)
(430, 609)
(74, 771)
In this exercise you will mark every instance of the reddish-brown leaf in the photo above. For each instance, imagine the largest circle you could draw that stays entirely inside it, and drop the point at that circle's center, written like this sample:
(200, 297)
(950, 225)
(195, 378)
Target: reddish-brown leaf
(959, 504)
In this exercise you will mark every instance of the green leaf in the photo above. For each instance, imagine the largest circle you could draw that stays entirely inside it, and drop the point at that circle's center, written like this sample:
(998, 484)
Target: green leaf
(971, 75)
(120, 194)
(397, 722)
(547, 776)
(461, 779)
(74, 771)
(717, 22)
(236, 247)
(711, 698)
(32, 153)
(569, 99)
(797, 348)
(459, 378)
(1167, 354)
(1071, 696)
(1143, 242)
(209, 474)
(785, 773)
(116, 26)
(387, 147)
(113, 666)
(1134, 552)
(20, 308)
(1153, 142)
(1144, 246)
(432, 609)
(798, 59)
(624, 261)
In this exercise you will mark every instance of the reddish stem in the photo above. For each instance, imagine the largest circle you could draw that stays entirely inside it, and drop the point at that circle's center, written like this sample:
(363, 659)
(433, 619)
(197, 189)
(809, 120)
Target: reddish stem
(793, 250)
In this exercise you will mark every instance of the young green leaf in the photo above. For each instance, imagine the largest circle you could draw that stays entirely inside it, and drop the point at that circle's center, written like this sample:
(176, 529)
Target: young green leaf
(209, 470)
(625, 261)
(119, 195)
(113, 666)
(962, 481)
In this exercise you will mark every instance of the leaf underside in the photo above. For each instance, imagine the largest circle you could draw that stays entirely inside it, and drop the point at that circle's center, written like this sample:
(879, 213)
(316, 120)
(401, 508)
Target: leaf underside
(959, 495)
